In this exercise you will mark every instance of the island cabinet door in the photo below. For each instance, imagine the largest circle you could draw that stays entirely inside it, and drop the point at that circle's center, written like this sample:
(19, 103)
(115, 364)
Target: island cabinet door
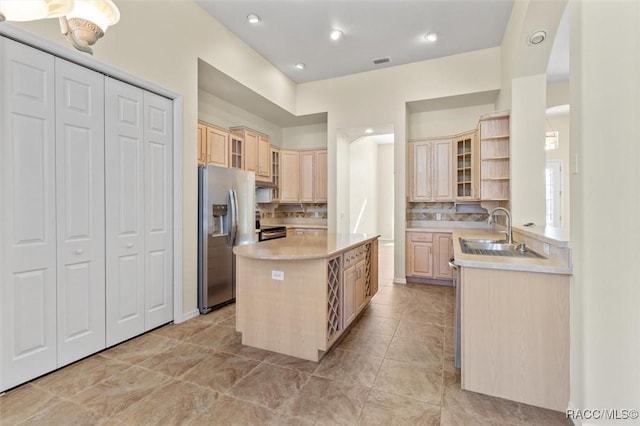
(350, 278)
(361, 294)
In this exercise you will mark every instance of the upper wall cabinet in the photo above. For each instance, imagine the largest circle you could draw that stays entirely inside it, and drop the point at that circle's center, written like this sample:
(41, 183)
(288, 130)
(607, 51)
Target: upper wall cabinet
(257, 152)
(494, 157)
(213, 145)
(430, 176)
(289, 177)
(466, 167)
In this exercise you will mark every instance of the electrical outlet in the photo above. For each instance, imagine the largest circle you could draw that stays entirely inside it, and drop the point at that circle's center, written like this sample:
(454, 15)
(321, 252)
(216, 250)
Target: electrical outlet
(277, 275)
(546, 249)
(438, 216)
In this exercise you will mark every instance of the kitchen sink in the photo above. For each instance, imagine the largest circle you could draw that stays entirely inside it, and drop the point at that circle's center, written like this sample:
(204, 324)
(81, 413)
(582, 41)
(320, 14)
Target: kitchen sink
(487, 247)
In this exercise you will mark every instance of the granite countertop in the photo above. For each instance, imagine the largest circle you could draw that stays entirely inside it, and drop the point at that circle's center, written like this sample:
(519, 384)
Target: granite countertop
(548, 265)
(302, 247)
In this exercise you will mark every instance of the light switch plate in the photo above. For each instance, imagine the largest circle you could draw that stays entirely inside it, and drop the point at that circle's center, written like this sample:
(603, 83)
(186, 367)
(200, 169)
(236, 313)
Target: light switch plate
(546, 249)
(277, 275)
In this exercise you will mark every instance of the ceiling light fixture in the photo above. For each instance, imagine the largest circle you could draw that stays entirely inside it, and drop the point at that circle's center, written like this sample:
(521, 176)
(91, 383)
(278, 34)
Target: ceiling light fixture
(431, 37)
(369, 130)
(253, 18)
(336, 35)
(300, 65)
(83, 22)
(537, 37)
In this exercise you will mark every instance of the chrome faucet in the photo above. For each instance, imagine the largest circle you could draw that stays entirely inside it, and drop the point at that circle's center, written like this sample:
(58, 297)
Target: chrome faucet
(509, 231)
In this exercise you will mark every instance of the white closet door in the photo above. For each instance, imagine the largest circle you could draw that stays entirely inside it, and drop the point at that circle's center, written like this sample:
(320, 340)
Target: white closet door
(158, 138)
(125, 232)
(80, 211)
(27, 214)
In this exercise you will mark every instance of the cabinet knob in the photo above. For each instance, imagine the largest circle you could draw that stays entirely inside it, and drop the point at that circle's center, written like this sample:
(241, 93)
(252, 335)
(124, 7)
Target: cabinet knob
(78, 251)
(129, 245)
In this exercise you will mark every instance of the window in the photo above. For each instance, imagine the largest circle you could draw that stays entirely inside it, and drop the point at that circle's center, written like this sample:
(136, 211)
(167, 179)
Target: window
(551, 141)
(553, 193)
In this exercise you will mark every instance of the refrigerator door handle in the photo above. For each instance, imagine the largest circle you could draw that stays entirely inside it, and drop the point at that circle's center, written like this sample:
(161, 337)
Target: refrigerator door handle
(233, 207)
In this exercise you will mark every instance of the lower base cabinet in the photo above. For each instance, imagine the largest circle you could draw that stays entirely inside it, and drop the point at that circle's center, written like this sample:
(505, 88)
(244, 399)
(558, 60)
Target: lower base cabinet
(428, 254)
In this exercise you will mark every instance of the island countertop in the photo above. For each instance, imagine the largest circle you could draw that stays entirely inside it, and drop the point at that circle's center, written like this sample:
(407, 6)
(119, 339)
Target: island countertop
(301, 247)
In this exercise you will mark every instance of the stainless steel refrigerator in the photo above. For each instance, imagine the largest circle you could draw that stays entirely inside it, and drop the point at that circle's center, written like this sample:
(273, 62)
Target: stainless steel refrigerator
(226, 218)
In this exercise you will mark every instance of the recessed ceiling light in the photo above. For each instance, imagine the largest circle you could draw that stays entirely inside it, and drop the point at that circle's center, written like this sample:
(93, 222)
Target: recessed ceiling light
(431, 37)
(253, 18)
(537, 37)
(300, 65)
(336, 35)
(369, 130)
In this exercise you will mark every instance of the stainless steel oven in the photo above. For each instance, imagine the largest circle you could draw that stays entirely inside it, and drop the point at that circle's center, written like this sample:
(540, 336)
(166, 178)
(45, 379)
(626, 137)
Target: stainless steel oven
(272, 232)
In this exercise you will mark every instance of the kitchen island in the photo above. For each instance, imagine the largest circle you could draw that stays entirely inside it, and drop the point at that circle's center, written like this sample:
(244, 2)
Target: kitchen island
(514, 319)
(297, 295)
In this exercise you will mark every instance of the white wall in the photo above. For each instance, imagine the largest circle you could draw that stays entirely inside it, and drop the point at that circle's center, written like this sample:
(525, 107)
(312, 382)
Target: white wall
(161, 44)
(215, 110)
(605, 205)
(313, 136)
(446, 122)
(385, 191)
(363, 186)
(362, 100)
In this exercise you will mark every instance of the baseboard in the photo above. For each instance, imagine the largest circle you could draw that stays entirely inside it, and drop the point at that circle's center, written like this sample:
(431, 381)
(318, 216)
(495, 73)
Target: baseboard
(399, 280)
(187, 316)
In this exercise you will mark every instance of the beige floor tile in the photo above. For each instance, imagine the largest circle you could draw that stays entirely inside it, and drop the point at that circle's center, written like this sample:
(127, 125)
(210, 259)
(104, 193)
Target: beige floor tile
(218, 315)
(177, 360)
(237, 348)
(215, 337)
(472, 403)
(138, 349)
(376, 325)
(383, 409)
(117, 393)
(427, 350)
(269, 385)
(231, 411)
(82, 375)
(23, 402)
(349, 367)
(229, 322)
(327, 402)
(362, 341)
(384, 311)
(386, 298)
(423, 316)
(174, 403)
(415, 381)
(292, 362)
(419, 330)
(453, 417)
(66, 413)
(220, 371)
(182, 331)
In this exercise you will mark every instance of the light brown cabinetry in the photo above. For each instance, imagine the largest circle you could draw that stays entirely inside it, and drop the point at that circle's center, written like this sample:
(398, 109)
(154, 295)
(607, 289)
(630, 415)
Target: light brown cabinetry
(289, 177)
(494, 158)
(466, 167)
(257, 152)
(236, 151)
(430, 175)
(354, 283)
(428, 254)
(275, 174)
(306, 181)
(213, 145)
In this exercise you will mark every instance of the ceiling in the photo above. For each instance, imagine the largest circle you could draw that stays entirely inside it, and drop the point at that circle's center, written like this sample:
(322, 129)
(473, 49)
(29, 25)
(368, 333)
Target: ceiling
(292, 31)
(297, 31)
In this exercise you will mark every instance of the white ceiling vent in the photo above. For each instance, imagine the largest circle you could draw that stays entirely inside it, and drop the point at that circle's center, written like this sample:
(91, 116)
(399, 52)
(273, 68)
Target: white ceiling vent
(381, 61)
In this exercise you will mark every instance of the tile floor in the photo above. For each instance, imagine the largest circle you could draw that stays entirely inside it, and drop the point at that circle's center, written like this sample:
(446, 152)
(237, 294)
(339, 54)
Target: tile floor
(395, 367)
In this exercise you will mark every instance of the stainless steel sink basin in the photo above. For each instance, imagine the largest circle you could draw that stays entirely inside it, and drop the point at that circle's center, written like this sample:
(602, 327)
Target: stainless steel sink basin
(488, 247)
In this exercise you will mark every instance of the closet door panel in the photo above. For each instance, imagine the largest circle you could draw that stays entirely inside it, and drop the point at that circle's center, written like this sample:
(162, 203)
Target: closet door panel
(125, 232)
(27, 214)
(158, 138)
(80, 211)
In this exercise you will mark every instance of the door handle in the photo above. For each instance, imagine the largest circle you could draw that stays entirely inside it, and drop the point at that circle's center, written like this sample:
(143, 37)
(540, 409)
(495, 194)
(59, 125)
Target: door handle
(78, 251)
(129, 245)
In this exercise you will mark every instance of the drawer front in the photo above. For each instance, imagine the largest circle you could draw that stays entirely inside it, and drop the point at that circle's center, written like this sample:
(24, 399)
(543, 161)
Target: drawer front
(421, 236)
(355, 255)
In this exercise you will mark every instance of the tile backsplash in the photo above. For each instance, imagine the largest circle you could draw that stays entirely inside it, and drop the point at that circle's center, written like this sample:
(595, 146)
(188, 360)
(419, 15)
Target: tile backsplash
(447, 211)
(286, 212)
